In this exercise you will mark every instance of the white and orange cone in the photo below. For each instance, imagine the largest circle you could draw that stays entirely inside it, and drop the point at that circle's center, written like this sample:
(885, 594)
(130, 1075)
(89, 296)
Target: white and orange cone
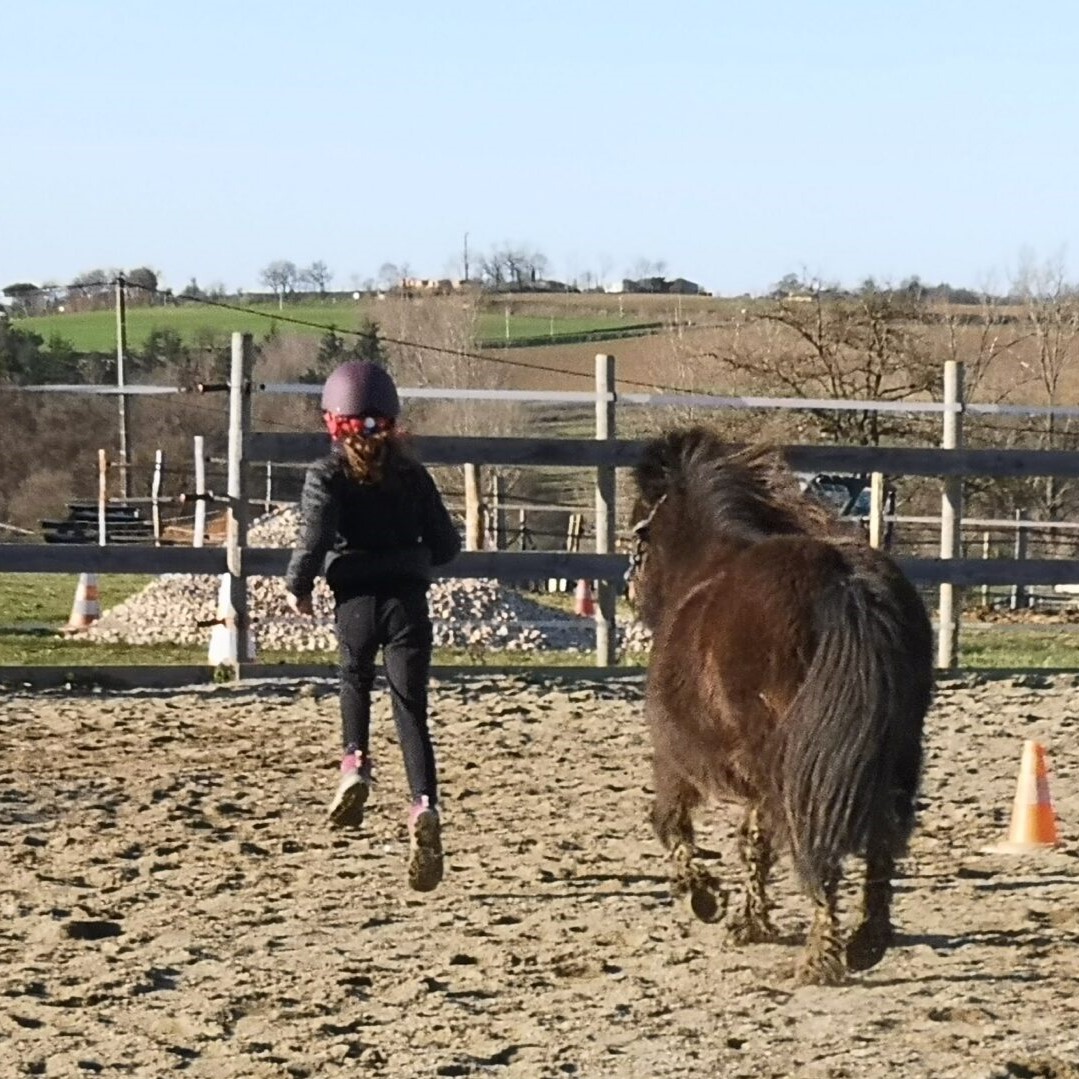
(1034, 823)
(583, 602)
(86, 609)
(223, 642)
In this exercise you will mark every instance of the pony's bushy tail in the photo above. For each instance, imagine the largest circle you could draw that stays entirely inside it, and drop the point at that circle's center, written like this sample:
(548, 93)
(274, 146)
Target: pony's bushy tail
(852, 738)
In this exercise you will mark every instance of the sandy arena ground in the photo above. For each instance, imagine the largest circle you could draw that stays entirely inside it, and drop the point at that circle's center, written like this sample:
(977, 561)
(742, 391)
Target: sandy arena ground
(173, 901)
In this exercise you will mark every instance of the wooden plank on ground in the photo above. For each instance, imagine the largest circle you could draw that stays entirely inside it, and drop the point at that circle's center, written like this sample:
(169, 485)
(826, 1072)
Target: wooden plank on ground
(448, 671)
(116, 677)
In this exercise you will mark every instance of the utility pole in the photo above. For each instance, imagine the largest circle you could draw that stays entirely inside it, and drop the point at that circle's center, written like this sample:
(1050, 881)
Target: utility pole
(466, 256)
(121, 352)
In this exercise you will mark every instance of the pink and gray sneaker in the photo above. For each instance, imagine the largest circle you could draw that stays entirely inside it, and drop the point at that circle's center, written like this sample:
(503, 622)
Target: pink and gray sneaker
(425, 846)
(346, 809)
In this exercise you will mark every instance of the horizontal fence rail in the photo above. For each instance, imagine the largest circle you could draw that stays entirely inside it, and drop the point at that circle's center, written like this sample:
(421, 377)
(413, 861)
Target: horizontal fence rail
(651, 400)
(302, 448)
(504, 565)
(603, 453)
(90, 558)
(686, 400)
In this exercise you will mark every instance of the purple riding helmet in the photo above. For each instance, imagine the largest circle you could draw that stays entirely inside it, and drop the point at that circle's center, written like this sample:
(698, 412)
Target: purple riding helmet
(358, 388)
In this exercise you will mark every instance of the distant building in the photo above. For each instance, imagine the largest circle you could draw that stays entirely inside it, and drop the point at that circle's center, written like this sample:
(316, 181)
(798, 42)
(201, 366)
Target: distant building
(531, 284)
(680, 286)
(431, 286)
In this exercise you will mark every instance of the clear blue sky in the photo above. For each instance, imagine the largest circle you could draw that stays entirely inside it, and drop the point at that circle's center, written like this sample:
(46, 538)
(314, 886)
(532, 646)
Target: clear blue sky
(737, 142)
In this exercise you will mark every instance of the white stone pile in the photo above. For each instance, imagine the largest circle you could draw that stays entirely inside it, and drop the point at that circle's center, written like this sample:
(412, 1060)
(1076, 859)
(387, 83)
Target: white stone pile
(473, 614)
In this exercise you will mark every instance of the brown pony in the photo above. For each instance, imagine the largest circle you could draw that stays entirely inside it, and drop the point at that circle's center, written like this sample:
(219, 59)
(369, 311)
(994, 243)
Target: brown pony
(791, 671)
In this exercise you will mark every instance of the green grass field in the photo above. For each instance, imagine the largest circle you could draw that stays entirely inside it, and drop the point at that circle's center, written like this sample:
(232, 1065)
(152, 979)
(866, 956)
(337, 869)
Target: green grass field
(95, 331)
(30, 601)
(34, 606)
(1034, 647)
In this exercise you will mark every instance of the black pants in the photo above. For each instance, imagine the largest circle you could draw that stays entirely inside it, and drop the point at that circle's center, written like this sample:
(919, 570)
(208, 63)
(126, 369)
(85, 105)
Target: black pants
(399, 623)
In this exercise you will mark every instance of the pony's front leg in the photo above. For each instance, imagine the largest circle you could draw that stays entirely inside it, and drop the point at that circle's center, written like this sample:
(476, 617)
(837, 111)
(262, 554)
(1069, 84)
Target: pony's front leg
(874, 935)
(822, 962)
(751, 924)
(673, 824)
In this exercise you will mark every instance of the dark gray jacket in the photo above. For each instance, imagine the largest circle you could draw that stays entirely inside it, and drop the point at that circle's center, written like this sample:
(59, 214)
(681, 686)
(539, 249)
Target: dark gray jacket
(362, 535)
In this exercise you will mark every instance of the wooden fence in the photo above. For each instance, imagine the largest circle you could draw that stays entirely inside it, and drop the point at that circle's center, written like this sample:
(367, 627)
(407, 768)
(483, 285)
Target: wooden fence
(604, 453)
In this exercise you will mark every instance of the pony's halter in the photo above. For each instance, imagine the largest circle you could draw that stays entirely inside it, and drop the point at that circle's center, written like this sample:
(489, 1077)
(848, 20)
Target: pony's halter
(640, 540)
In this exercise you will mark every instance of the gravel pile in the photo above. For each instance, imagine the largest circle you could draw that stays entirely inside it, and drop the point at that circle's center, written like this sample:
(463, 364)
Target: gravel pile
(474, 614)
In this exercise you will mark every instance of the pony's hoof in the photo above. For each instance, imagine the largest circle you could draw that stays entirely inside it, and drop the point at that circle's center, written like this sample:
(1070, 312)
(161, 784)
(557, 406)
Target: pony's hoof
(820, 969)
(868, 945)
(707, 899)
(706, 904)
(742, 930)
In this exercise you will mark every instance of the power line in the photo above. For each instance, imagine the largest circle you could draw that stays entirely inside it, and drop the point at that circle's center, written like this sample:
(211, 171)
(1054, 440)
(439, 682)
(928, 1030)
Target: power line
(436, 349)
(459, 353)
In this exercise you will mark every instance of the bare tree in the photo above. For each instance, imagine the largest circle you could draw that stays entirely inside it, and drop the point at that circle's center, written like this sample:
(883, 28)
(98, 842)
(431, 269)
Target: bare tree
(644, 268)
(143, 282)
(281, 277)
(822, 344)
(390, 275)
(515, 261)
(981, 340)
(318, 275)
(93, 289)
(492, 270)
(535, 263)
(101, 278)
(1051, 310)
(513, 265)
(606, 264)
(430, 342)
(25, 297)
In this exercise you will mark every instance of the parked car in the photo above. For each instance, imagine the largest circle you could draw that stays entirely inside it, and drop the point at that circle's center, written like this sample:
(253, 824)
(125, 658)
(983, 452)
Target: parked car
(849, 494)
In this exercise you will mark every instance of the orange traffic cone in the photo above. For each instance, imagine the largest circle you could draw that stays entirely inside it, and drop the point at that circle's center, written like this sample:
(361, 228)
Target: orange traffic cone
(1034, 824)
(86, 609)
(583, 602)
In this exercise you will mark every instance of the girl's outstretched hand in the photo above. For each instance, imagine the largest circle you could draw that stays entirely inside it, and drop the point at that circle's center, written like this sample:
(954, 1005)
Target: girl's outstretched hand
(299, 606)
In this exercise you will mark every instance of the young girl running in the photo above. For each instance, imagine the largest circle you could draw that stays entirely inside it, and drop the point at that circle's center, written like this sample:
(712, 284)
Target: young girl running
(373, 522)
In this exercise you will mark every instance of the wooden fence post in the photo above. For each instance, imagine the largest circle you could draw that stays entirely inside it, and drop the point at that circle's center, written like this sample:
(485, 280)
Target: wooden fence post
(889, 512)
(606, 630)
(876, 510)
(951, 515)
(1019, 591)
(239, 425)
(102, 497)
(200, 492)
(268, 504)
(522, 529)
(573, 543)
(497, 523)
(473, 511)
(155, 496)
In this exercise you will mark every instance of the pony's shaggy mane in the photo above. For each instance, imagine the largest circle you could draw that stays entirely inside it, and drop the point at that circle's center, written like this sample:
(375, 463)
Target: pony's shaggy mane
(748, 493)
